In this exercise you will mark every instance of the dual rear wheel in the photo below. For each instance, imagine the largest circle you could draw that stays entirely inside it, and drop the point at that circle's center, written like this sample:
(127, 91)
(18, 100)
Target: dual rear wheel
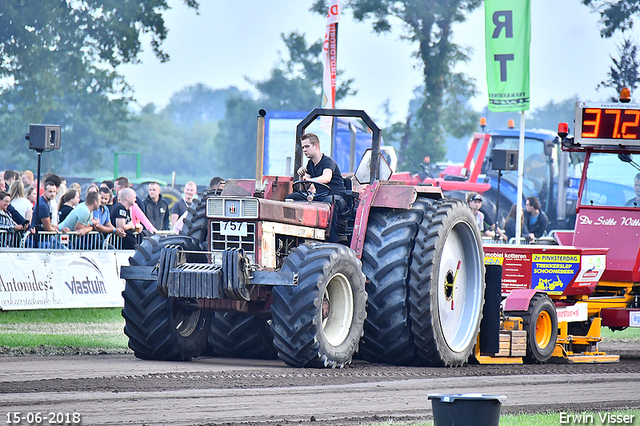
(446, 285)
(425, 271)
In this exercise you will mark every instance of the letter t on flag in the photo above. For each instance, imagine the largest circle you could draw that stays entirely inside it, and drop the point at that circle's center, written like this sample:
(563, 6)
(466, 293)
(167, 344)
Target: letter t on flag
(330, 55)
(507, 39)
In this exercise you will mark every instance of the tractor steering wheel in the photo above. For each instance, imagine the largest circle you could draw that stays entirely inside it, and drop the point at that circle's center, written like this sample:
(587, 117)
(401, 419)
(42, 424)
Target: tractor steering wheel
(305, 185)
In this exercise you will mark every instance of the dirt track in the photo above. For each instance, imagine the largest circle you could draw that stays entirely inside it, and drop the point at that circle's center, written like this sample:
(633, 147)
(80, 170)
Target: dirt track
(119, 389)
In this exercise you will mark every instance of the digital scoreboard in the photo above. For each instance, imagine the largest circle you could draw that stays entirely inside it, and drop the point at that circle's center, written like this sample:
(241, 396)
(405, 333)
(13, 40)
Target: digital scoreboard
(607, 123)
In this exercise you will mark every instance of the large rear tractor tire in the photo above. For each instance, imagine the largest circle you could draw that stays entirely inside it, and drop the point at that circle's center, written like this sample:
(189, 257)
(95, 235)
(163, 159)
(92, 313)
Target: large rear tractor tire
(241, 335)
(446, 284)
(160, 328)
(541, 324)
(385, 261)
(319, 322)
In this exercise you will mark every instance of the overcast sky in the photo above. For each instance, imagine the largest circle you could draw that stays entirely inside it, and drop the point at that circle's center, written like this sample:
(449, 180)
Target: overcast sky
(230, 41)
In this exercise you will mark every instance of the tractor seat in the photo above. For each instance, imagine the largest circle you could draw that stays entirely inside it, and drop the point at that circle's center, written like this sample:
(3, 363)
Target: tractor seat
(350, 198)
(346, 208)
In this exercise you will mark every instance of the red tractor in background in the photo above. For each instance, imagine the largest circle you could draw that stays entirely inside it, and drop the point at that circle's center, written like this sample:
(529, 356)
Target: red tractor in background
(457, 178)
(549, 174)
(252, 276)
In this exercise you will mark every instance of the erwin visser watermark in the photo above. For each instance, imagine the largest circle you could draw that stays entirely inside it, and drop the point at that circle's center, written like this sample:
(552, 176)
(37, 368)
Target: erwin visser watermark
(605, 419)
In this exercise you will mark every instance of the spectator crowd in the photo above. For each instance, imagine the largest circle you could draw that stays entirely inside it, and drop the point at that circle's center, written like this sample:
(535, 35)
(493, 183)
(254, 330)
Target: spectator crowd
(533, 221)
(113, 207)
(110, 207)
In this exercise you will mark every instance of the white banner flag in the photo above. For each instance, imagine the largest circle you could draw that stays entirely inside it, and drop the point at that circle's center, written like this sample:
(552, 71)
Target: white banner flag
(330, 55)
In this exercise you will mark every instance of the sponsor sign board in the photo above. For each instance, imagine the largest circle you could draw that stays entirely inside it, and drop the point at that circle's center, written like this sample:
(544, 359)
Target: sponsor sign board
(552, 270)
(46, 280)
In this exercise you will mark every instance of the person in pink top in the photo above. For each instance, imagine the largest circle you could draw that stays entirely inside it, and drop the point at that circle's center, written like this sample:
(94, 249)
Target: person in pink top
(138, 217)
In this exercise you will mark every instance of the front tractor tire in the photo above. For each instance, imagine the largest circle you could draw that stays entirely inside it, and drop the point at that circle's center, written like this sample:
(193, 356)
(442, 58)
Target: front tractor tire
(160, 328)
(319, 322)
(541, 324)
(446, 286)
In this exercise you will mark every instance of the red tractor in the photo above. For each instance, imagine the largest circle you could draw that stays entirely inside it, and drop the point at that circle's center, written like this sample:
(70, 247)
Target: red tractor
(253, 276)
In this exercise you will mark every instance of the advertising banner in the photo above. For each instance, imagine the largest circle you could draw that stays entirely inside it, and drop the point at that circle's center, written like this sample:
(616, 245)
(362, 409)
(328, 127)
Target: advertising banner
(507, 40)
(26, 282)
(46, 280)
(516, 268)
(330, 55)
(551, 269)
(554, 272)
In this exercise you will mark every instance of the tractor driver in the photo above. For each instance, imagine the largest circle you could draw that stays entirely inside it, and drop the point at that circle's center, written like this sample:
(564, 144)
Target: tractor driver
(322, 169)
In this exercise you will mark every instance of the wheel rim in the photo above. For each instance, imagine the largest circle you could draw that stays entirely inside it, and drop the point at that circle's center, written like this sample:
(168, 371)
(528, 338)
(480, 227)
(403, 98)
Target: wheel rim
(186, 322)
(543, 329)
(459, 296)
(337, 309)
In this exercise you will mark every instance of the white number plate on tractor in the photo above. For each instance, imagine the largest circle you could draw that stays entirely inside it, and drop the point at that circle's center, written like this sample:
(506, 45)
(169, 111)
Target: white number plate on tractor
(238, 229)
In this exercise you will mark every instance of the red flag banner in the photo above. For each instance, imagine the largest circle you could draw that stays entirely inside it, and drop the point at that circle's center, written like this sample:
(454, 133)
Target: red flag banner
(330, 55)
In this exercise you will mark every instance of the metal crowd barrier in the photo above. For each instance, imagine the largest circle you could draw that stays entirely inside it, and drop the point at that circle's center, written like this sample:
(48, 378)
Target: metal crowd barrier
(66, 240)
(10, 238)
(492, 240)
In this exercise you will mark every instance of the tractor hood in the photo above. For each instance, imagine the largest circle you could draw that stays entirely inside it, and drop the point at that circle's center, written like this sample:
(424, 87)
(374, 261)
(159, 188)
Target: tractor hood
(309, 214)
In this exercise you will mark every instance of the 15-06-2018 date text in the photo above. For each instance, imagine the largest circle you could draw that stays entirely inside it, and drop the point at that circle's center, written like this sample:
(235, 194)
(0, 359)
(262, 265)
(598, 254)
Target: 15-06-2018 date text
(43, 418)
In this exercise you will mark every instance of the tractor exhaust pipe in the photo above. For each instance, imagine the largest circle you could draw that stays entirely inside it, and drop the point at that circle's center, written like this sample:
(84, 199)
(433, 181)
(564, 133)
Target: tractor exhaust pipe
(260, 152)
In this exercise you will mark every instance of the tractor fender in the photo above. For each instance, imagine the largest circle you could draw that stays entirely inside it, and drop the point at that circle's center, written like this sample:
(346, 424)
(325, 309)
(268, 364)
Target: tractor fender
(394, 196)
(518, 299)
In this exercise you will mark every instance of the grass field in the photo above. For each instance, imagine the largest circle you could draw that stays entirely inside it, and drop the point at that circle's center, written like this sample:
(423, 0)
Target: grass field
(74, 329)
(555, 419)
(628, 335)
(58, 316)
(102, 329)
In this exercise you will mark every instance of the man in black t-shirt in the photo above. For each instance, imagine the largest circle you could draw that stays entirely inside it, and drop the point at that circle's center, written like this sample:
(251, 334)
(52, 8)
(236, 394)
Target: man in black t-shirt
(42, 214)
(322, 169)
(121, 218)
(181, 206)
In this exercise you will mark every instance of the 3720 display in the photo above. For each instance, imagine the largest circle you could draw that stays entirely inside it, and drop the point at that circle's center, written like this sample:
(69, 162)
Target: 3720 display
(607, 123)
